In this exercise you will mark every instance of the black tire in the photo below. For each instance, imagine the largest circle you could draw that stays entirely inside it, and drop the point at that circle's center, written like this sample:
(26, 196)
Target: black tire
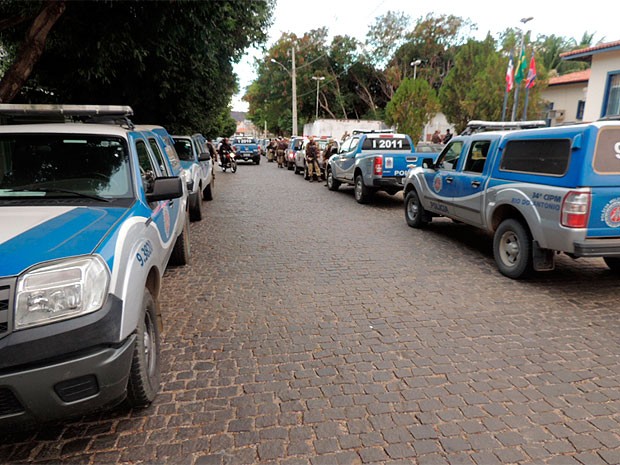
(195, 209)
(613, 263)
(181, 250)
(362, 192)
(257, 161)
(512, 249)
(415, 215)
(224, 168)
(207, 193)
(332, 183)
(233, 167)
(144, 375)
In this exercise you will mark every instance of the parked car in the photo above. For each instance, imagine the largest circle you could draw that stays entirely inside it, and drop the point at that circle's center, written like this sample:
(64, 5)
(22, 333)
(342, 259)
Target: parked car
(246, 149)
(197, 163)
(428, 147)
(295, 144)
(92, 217)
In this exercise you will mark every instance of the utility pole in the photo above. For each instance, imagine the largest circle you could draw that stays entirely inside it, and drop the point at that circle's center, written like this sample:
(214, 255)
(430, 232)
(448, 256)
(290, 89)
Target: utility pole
(294, 78)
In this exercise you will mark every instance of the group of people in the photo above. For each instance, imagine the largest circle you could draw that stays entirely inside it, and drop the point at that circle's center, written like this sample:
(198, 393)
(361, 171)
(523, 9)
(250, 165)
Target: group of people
(437, 138)
(277, 147)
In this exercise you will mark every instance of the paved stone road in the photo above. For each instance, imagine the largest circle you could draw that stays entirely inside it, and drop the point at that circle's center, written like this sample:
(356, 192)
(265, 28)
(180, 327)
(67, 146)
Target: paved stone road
(309, 329)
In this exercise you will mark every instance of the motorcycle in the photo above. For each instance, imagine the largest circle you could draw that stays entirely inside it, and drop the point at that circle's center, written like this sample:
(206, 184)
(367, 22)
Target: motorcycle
(229, 162)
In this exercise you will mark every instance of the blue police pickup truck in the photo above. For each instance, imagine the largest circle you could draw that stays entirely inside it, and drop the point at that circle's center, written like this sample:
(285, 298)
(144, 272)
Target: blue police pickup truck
(539, 192)
(246, 149)
(373, 161)
(92, 213)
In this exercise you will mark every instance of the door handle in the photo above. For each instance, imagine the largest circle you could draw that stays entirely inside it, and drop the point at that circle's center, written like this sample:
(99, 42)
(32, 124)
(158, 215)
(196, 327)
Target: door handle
(449, 179)
(475, 184)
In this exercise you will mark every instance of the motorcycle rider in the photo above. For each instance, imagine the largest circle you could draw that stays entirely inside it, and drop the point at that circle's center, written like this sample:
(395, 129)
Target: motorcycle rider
(224, 150)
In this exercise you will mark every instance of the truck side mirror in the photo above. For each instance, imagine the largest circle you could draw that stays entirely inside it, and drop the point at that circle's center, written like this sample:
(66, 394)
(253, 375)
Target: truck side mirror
(428, 163)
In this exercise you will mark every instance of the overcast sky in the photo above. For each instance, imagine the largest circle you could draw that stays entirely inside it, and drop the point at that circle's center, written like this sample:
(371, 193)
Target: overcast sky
(353, 18)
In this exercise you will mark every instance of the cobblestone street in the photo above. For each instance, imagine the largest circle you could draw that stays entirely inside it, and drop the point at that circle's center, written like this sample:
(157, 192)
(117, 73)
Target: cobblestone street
(309, 329)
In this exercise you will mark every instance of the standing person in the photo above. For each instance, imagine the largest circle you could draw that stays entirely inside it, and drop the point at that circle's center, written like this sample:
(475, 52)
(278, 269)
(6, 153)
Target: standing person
(271, 150)
(280, 148)
(447, 137)
(436, 137)
(312, 155)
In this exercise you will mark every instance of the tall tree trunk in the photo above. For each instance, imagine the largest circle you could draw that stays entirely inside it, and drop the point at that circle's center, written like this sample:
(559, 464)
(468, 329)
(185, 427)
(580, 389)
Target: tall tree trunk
(30, 50)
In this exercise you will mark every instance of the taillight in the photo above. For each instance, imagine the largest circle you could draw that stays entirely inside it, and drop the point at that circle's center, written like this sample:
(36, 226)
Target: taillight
(378, 165)
(576, 209)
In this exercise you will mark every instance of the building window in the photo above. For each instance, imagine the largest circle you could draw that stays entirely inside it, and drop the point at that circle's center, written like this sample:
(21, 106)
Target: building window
(611, 104)
(581, 104)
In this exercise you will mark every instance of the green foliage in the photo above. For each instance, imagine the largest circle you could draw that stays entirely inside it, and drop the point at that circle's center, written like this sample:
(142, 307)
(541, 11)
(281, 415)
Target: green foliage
(474, 87)
(171, 61)
(413, 105)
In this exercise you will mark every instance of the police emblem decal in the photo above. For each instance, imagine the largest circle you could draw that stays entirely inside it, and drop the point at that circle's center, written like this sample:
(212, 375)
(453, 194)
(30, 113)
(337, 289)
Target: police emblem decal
(611, 213)
(437, 183)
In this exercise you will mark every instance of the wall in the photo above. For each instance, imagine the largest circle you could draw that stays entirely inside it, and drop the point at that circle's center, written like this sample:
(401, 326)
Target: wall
(565, 97)
(602, 63)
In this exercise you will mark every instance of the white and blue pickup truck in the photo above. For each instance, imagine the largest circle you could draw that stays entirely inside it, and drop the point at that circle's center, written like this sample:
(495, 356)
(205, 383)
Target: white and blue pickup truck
(246, 149)
(539, 192)
(198, 171)
(373, 161)
(92, 213)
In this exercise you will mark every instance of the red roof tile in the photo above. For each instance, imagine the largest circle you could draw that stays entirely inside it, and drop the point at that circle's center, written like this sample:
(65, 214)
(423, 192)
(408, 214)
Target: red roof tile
(571, 78)
(590, 50)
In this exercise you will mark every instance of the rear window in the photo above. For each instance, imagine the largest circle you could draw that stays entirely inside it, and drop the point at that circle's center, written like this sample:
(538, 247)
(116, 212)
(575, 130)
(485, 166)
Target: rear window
(607, 151)
(387, 143)
(537, 156)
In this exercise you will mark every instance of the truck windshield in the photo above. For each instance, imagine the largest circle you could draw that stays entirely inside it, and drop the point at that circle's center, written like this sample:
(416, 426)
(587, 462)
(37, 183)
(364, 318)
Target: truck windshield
(63, 166)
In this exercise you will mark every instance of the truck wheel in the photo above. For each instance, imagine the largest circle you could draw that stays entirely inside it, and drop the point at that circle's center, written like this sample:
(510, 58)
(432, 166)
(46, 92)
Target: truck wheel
(257, 161)
(306, 177)
(362, 193)
(512, 249)
(181, 251)
(144, 375)
(195, 211)
(332, 183)
(613, 263)
(207, 193)
(415, 215)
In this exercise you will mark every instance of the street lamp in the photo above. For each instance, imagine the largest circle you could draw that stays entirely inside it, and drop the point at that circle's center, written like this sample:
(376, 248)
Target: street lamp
(415, 65)
(514, 105)
(317, 79)
(293, 76)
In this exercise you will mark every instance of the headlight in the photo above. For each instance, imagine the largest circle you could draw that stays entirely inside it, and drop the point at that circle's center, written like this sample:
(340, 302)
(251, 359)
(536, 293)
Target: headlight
(186, 176)
(64, 290)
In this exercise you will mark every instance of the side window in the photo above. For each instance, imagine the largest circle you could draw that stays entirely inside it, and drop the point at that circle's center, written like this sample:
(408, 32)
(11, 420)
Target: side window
(449, 158)
(477, 156)
(354, 143)
(160, 158)
(148, 170)
(345, 145)
(612, 96)
(539, 156)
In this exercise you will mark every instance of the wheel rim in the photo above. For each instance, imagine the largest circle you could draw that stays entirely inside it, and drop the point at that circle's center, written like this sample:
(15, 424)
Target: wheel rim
(509, 248)
(330, 180)
(150, 355)
(358, 188)
(412, 209)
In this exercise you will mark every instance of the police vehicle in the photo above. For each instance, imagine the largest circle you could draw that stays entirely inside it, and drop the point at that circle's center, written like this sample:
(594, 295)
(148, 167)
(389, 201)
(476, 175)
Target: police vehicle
(539, 191)
(372, 161)
(91, 215)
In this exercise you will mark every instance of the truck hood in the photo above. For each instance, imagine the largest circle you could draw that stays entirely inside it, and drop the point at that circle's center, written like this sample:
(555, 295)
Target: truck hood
(31, 235)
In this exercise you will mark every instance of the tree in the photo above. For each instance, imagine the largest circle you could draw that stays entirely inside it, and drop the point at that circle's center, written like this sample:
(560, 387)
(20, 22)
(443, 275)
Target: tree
(474, 87)
(413, 105)
(171, 61)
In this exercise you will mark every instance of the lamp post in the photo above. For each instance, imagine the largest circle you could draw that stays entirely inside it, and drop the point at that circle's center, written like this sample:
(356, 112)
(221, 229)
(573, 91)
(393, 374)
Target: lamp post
(515, 104)
(415, 65)
(317, 79)
(293, 75)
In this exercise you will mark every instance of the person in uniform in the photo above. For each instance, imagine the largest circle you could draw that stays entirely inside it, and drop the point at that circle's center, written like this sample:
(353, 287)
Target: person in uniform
(281, 147)
(312, 160)
(271, 150)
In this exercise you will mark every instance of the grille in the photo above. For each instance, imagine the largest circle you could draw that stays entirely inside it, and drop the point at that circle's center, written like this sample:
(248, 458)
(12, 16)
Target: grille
(6, 297)
(9, 404)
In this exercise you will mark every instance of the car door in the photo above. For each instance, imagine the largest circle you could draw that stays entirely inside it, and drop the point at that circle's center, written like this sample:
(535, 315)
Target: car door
(345, 160)
(469, 181)
(440, 185)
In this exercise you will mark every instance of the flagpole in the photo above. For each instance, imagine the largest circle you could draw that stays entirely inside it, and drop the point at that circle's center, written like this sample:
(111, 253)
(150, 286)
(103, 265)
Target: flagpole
(504, 106)
(527, 93)
(518, 84)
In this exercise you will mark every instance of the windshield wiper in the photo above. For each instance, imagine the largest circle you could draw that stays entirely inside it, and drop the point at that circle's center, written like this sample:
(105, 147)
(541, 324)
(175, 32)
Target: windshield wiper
(63, 191)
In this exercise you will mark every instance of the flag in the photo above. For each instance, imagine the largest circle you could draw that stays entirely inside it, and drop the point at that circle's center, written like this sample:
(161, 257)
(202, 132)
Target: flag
(521, 67)
(531, 74)
(510, 79)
